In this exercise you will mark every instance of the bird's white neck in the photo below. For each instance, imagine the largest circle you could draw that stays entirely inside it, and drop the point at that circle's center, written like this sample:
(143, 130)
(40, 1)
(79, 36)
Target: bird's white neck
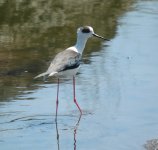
(81, 42)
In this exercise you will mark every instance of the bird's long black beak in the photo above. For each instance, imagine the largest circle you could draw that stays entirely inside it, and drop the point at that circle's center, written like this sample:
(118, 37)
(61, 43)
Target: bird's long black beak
(98, 36)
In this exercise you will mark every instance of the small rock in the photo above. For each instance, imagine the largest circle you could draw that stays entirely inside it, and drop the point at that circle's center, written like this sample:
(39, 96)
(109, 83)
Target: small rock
(152, 144)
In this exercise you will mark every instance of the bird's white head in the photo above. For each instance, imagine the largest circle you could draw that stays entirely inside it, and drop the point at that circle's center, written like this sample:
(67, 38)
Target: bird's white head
(83, 33)
(87, 32)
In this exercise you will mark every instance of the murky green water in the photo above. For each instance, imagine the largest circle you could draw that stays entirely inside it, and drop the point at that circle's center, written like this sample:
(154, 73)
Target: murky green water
(116, 85)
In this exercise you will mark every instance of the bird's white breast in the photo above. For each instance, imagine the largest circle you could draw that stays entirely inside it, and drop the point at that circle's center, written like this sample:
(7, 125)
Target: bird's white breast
(67, 73)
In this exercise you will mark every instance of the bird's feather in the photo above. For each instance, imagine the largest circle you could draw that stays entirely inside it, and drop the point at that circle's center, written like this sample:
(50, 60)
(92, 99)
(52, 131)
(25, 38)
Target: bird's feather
(65, 60)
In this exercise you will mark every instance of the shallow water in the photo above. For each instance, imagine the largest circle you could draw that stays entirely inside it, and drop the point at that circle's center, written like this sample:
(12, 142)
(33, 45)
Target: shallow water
(116, 85)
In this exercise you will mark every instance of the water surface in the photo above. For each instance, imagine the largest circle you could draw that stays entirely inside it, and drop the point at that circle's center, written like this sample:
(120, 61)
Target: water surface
(116, 85)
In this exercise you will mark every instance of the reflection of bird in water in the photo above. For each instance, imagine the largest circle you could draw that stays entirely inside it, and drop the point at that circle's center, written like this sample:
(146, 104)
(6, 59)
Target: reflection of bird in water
(67, 62)
(75, 132)
(56, 123)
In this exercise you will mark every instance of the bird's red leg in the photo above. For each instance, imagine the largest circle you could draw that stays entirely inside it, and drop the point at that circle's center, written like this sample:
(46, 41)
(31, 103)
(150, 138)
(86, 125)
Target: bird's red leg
(57, 101)
(75, 101)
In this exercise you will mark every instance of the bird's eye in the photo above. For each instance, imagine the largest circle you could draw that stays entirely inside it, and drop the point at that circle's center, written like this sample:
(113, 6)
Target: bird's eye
(85, 30)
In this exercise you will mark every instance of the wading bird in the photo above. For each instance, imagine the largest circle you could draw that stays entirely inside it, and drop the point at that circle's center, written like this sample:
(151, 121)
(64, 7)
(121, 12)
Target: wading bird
(67, 62)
